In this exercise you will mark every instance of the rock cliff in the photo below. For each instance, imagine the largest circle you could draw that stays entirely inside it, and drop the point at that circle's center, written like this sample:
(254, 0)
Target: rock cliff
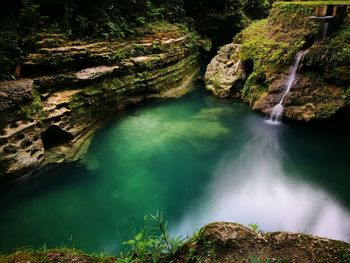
(69, 86)
(266, 50)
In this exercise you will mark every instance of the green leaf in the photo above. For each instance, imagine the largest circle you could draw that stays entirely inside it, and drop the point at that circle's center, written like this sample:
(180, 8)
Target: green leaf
(139, 236)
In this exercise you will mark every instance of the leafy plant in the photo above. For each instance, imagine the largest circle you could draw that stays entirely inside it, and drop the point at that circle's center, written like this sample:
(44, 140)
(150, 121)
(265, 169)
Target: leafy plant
(153, 241)
(255, 228)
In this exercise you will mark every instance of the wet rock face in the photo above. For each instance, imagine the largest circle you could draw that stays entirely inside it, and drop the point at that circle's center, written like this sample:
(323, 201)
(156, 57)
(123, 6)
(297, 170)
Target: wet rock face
(309, 99)
(225, 72)
(230, 242)
(45, 119)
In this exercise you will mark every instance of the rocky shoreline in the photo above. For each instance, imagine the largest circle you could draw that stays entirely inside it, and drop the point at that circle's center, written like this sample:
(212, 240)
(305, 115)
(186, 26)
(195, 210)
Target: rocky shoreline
(232, 242)
(219, 242)
(46, 119)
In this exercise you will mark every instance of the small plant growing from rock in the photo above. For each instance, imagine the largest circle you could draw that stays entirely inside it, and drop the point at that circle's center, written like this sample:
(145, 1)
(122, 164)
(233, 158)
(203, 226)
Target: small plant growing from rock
(255, 228)
(152, 242)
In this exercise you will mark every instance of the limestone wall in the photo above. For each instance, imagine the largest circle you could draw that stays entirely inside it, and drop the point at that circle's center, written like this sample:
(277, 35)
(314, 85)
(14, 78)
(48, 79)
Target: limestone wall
(46, 119)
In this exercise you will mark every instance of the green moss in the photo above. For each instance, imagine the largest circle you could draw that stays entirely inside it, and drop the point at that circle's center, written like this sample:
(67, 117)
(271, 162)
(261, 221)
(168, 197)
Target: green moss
(267, 53)
(332, 57)
(254, 87)
(255, 29)
(262, 44)
(270, 46)
(290, 23)
(335, 51)
(215, 80)
(34, 109)
(96, 100)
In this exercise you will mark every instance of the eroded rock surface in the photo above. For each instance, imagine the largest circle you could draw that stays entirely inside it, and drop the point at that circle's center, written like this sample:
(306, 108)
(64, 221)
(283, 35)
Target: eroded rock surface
(71, 86)
(225, 72)
(14, 92)
(219, 243)
(231, 242)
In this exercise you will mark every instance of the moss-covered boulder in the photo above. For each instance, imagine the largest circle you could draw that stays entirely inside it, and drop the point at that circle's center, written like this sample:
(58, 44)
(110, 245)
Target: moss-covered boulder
(225, 73)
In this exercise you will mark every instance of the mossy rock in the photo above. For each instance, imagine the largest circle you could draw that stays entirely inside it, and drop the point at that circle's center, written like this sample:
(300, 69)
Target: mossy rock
(268, 50)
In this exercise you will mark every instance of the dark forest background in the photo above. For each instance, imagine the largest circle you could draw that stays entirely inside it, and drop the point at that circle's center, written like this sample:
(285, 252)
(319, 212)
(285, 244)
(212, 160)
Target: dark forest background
(22, 19)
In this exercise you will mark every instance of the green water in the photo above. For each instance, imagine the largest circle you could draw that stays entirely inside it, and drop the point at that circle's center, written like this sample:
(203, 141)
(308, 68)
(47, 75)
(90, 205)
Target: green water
(195, 159)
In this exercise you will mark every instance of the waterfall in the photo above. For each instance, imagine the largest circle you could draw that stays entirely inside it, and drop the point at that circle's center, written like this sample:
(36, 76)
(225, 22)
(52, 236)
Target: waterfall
(325, 22)
(277, 110)
(325, 30)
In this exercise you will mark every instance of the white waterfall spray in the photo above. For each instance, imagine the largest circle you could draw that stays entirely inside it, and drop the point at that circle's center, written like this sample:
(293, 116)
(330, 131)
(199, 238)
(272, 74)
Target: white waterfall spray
(325, 30)
(277, 110)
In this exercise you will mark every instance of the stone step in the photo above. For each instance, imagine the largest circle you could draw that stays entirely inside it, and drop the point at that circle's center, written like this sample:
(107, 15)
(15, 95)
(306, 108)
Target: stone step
(58, 98)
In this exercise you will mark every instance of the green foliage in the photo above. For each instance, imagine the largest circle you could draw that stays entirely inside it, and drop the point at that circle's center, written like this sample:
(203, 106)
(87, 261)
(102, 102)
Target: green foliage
(10, 53)
(22, 19)
(109, 19)
(335, 51)
(215, 80)
(264, 51)
(344, 258)
(30, 17)
(34, 110)
(153, 241)
(269, 46)
(273, 43)
(255, 228)
(256, 9)
(254, 87)
(290, 23)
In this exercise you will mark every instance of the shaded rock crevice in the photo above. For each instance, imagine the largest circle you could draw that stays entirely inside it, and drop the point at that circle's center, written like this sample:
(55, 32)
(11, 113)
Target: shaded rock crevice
(55, 136)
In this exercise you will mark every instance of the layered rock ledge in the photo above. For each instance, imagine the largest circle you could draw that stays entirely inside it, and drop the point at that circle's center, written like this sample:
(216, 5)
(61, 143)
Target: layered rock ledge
(70, 86)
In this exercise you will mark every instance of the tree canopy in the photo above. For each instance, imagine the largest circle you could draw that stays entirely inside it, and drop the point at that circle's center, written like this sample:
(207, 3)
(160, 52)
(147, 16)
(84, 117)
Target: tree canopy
(21, 19)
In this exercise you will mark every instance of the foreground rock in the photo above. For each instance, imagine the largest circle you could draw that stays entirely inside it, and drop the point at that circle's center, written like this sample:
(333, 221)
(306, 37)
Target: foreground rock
(225, 73)
(267, 50)
(71, 86)
(62, 255)
(217, 242)
(231, 242)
